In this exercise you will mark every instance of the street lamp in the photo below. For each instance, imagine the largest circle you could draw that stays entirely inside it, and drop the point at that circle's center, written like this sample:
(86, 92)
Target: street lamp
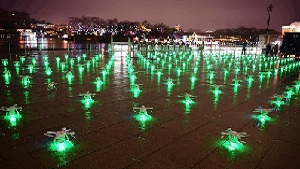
(269, 9)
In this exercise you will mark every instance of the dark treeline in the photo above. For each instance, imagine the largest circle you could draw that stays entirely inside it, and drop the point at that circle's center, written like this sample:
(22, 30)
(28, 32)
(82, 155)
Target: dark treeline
(251, 34)
(105, 28)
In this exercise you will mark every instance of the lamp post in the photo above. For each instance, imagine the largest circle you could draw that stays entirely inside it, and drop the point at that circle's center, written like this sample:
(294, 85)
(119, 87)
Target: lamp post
(269, 9)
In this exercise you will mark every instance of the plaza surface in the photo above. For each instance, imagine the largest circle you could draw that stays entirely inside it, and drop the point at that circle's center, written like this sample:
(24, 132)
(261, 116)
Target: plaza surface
(178, 136)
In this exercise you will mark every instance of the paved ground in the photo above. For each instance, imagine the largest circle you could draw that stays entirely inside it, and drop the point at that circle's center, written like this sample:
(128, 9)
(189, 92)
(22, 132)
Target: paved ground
(108, 136)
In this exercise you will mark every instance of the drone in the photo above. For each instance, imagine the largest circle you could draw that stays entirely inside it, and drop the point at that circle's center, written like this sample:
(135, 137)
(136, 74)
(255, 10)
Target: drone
(70, 73)
(215, 86)
(278, 97)
(87, 95)
(237, 80)
(136, 85)
(142, 109)
(7, 72)
(262, 110)
(233, 135)
(60, 136)
(11, 109)
(98, 81)
(169, 82)
(186, 95)
(51, 86)
(26, 77)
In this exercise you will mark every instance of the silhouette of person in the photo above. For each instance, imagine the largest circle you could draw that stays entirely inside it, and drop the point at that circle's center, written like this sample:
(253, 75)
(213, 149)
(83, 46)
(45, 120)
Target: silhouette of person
(244, 48)
(268, 50)
(275, 49)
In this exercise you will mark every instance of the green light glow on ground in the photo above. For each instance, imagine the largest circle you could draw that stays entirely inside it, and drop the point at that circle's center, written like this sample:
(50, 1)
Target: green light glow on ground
(22, 59)
(4, 62)
(193, 79)
(136, 91)
(30, 68)
(48, 71)
(70, 77)
(17, 64)
(61, 147)
(13, 118)
(7, 76)
(143, 118)
(33, 60)
(46, 63)
(87, 102)
(278, 102)
(233, 145)
(216, 92)
(25, 82)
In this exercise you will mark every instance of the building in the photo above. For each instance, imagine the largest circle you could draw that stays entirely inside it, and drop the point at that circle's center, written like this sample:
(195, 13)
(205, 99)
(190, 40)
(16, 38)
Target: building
(294, 27)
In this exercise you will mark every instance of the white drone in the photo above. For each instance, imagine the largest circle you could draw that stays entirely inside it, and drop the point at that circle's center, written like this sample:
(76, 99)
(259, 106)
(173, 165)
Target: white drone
(142, 109)
(14, 109)
(60, 136)
(186, 95)
(87, 95)
(237, 80)
(278, 97)
(216, 86)
(233, 134)
(136, 85)
(261, 110)
(169, 80)
(51, 85)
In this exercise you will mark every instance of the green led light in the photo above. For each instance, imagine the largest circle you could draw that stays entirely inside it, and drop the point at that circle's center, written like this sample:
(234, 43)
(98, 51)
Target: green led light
(72, 62)
(136, 91)
(46, 57)
(22, 59)
(48, 71)
(4, 62)
(178, 71)
(33, 60)
(132, 79)
(233, 143)
(216, 90)
(152, 69)
(98, 81)
(143, 118)
(87, 103)
(193, 79)
(263, 116)
(13, 118)
(63, 66)
(237, 70)
(25, 81)
(17, 64)
(249, 80)
(211, 75)
(278, 102)
(70, 77)
(57, 61)
(30, 68)
(297, 86)
(104, 73)
(61, 146)
(80, 69)
(7, 76)
(46, 63)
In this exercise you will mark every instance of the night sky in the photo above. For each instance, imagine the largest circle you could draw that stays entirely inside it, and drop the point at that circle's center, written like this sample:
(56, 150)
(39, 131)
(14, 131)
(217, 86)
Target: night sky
(198, 14)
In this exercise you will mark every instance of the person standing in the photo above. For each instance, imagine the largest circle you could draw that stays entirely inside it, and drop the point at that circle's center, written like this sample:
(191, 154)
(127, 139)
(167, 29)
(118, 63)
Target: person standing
(244, 48)
(275, 49)
(268, 50)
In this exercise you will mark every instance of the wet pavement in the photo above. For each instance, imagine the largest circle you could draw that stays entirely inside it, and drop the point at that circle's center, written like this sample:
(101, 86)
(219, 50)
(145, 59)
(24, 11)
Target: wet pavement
(113, 131)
